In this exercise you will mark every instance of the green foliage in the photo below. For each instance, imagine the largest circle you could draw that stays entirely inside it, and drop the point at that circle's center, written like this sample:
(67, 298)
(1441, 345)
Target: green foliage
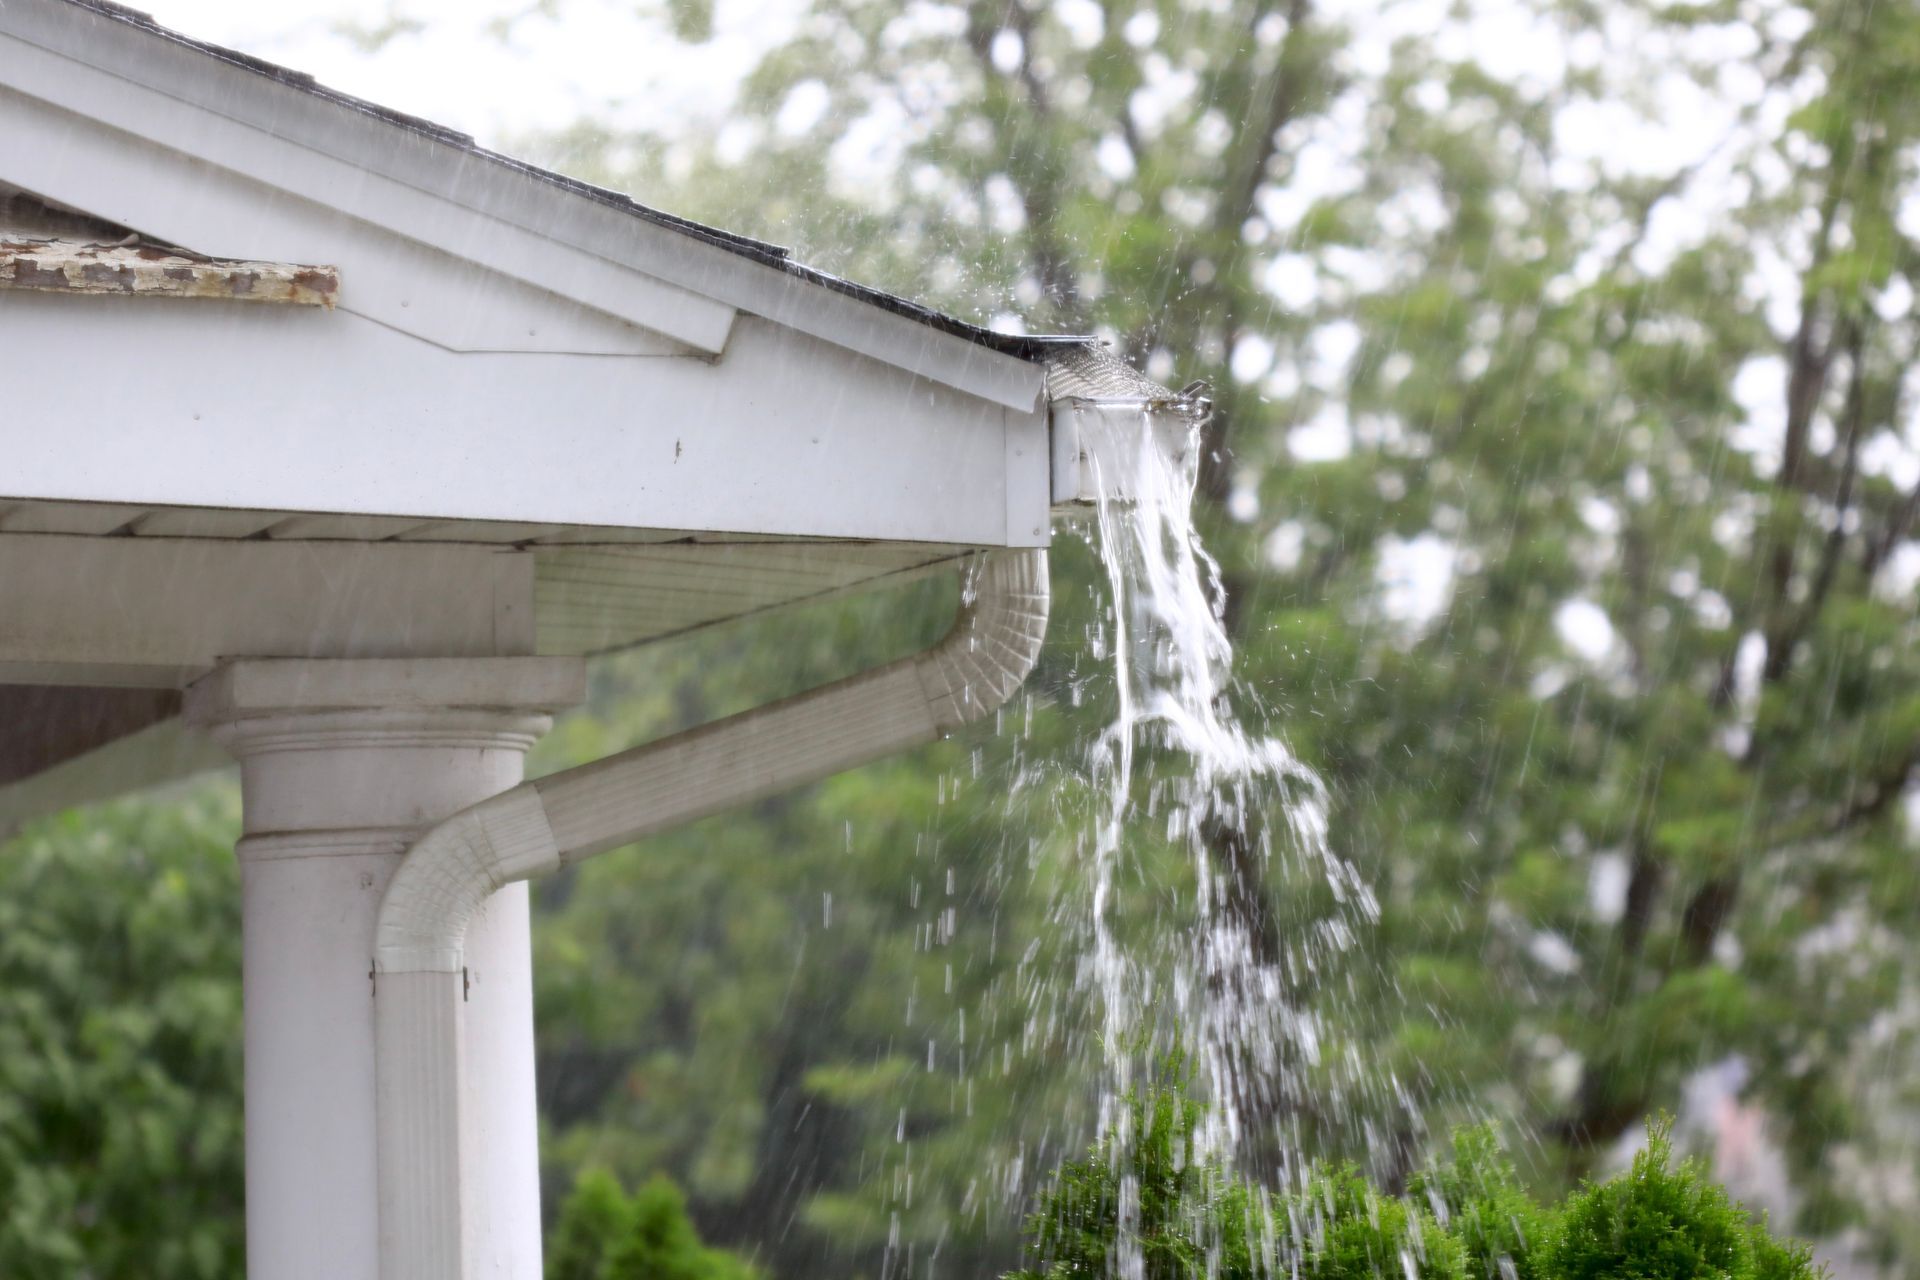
(1144, 1191)
(1184, 1216)
(1353, 1231)
(605, 1234)
(1503, 1233)
(1465, 1219)
(1659, 1221)
(120, 1150)
(595, 1215)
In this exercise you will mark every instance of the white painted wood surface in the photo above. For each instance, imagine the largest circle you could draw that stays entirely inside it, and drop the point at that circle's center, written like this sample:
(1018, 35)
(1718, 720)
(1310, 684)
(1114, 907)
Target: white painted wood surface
(164, 101)
(592, 599)
(159, 610)
(503, 291)
(327, 412)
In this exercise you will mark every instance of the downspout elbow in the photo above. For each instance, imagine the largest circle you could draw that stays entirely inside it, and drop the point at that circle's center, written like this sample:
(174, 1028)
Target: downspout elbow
(419, 940)
(993, 644)
(990, 648)
(454, 868)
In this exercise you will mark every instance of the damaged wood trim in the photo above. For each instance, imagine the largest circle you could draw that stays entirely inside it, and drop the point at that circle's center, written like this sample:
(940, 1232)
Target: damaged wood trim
(135, 269)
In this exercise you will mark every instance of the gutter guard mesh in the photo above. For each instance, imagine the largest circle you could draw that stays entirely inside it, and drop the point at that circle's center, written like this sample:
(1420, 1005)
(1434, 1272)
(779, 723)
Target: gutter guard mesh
(1088, 371)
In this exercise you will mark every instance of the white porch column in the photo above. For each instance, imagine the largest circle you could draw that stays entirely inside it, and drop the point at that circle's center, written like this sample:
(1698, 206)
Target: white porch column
(342, 763)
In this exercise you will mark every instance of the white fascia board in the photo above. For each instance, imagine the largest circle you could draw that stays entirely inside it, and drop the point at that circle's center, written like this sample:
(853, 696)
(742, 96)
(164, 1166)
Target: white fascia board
(327, 152)
(787, 437)
(416, 288)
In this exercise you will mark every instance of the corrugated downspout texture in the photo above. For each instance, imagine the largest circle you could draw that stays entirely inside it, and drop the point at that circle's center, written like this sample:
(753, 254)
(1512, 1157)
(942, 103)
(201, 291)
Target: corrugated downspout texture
(450, 871)
(993, 645)
(422, 1219)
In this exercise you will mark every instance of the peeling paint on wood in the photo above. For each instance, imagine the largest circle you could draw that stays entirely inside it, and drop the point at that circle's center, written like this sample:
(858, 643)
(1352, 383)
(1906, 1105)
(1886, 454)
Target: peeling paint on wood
(146, 270)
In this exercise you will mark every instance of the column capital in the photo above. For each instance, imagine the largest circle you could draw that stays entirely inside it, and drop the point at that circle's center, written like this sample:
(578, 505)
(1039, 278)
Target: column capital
(340, 755)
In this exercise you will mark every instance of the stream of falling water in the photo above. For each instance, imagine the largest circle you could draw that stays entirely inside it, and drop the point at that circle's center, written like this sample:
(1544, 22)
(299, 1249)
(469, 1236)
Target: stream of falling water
(1231, 793)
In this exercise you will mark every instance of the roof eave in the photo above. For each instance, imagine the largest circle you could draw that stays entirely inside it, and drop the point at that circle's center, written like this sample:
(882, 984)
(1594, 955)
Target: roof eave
(436, 186)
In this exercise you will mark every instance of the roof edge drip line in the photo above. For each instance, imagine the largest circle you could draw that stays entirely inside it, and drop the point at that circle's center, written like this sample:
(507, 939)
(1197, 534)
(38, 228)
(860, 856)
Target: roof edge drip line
(538, 827)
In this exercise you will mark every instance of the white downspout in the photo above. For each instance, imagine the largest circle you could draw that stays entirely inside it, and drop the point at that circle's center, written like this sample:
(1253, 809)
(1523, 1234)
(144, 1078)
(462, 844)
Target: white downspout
(538, 827)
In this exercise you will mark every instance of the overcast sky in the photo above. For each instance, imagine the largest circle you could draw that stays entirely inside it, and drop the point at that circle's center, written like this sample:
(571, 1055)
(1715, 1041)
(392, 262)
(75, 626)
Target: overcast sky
(600, 61)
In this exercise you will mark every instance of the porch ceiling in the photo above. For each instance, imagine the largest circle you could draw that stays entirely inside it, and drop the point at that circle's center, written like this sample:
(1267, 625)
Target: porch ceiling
(113, 608)
(592, 589)
(534, 417)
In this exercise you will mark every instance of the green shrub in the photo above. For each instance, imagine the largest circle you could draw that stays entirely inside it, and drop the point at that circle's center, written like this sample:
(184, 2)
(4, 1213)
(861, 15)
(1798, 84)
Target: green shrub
(1466, 1219)
(1196, 1220)
(1659, 1221)
(1503, 1234)
(1349, 1231)
(1187, 1210)
(605, 1234)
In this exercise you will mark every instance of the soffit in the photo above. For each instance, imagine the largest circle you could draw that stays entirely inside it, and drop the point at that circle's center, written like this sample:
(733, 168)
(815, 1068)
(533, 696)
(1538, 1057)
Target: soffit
(593, 590)
(117, 608)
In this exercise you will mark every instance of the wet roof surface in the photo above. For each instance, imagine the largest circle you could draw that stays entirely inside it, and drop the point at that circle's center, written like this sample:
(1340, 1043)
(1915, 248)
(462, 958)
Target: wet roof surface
(1025, 346)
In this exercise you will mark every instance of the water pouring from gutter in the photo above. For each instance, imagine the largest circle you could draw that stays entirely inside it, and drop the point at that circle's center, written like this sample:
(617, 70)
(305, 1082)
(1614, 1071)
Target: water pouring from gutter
(1181, 758)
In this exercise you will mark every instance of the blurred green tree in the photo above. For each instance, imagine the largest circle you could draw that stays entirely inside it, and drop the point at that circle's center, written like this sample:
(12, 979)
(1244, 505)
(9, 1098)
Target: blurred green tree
(120, 1152)
(1564, 492)
(605, 1234)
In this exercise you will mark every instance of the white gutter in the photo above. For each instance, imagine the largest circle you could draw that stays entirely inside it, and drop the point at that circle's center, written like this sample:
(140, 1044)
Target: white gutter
(1098, 443)
(538, 827)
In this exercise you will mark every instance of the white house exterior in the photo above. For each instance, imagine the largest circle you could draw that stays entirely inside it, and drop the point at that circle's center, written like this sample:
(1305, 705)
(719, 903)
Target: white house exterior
(342, 443)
